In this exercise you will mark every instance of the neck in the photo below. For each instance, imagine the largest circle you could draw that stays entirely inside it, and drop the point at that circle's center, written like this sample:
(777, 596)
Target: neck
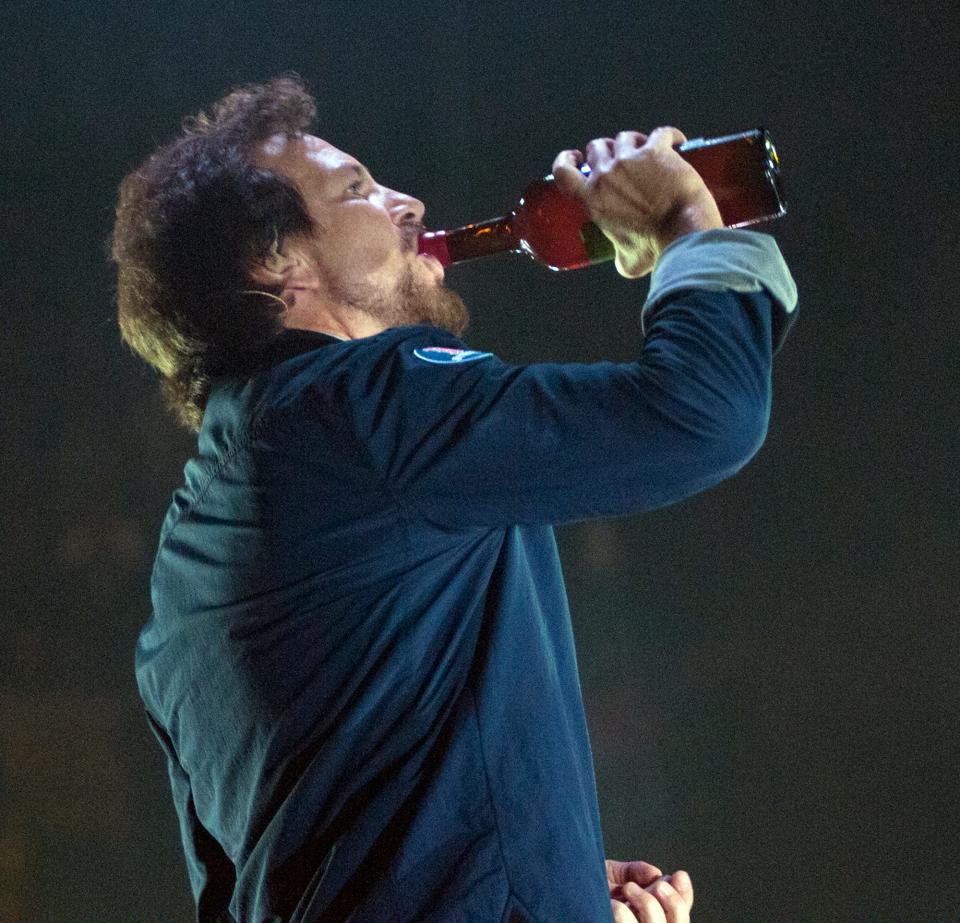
(340, 321)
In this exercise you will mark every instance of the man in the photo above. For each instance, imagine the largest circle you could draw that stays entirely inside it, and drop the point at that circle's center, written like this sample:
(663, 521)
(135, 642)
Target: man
(360, 663)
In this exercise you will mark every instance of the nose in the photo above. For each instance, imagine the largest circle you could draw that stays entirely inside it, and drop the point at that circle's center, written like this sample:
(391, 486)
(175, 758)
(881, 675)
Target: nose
(406, 209)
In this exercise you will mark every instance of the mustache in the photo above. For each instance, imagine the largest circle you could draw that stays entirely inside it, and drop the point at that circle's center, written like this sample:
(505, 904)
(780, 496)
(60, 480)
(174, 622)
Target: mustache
(411, 232)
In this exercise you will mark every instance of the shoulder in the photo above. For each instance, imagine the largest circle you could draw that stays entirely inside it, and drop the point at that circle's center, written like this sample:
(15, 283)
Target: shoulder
(355, 370)
(337, 375)
(417, 344)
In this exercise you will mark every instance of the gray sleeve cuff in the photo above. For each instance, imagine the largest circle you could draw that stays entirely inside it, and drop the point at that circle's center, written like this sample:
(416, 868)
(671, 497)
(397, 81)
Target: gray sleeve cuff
(723, 259)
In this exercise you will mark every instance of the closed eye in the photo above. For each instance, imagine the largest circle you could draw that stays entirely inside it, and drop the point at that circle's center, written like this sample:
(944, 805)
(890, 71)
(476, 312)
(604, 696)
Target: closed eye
(356, 187)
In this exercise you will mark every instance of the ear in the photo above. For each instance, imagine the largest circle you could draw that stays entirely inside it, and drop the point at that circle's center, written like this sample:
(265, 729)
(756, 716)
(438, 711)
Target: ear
(284, 266)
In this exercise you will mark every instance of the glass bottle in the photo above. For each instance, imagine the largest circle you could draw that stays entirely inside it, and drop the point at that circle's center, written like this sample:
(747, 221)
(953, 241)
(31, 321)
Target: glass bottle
(741, 171)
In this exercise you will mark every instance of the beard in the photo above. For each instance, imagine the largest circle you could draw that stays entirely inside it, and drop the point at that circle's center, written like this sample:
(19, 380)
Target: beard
(412, 301)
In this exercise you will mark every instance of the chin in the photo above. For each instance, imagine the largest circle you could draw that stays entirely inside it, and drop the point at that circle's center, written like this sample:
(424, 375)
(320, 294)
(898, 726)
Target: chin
(417, 297)
(446, 310)
(418, 301)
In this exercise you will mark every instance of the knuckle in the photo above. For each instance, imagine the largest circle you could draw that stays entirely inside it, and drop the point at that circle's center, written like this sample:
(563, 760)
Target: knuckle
(671, 898)
(638, 895)
(647, 901)
(600, 144)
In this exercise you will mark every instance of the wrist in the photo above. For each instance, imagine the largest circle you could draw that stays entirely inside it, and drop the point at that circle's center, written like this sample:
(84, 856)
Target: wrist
(694, 216)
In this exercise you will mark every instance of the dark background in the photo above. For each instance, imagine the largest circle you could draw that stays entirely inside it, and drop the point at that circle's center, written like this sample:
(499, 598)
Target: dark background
(770, 668)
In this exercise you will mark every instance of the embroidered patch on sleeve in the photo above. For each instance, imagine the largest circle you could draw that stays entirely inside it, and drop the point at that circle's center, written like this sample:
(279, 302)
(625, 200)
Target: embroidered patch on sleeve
(443, 355)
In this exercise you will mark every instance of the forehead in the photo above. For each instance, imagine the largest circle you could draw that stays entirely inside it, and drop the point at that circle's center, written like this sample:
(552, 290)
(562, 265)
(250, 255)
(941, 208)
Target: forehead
(302, 157)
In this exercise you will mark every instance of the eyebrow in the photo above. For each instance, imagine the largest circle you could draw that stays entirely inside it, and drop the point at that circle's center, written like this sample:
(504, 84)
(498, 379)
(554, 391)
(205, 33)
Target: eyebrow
(362, 172)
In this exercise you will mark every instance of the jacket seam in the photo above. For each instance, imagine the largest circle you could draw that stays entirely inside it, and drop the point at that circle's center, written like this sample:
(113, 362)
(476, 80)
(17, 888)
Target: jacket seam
(511, 893)
(218, 468)
(514, 903)
(341, 414)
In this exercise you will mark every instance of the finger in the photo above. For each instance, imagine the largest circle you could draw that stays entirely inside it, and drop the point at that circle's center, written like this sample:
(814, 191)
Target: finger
(566, 172)
(622, 913)
(675, 909)
(628, 141)
(643, 904)
(684, 887)
(600, 153)
(666, 136)
(643, 873)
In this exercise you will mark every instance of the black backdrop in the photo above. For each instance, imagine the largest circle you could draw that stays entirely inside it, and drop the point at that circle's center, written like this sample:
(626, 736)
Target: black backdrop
(769, 669)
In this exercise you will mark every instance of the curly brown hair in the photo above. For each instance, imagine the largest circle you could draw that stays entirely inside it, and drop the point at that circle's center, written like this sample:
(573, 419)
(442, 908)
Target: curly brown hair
(190, 222)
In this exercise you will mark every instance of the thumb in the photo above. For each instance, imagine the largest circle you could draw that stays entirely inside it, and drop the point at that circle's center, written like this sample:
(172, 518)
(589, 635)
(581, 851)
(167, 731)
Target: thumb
(566, 173)
(637, 261)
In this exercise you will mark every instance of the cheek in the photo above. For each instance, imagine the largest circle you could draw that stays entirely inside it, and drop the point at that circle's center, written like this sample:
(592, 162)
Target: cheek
(363, 245)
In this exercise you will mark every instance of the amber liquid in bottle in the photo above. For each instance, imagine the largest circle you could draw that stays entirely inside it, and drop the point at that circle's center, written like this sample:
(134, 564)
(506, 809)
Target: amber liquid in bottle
(741, 171)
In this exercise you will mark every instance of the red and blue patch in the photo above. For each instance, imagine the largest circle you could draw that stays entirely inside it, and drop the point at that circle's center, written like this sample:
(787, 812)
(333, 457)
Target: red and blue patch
(444, 355)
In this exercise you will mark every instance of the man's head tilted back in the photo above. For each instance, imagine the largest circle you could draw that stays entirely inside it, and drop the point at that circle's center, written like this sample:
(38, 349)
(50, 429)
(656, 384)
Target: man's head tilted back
(246, 224)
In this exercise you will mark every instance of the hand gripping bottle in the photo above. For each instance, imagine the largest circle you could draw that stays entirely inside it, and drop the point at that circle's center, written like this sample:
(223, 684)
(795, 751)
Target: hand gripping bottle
(741, 171)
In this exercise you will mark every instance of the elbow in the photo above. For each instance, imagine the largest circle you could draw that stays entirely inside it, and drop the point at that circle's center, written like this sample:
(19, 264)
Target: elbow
(743, 434)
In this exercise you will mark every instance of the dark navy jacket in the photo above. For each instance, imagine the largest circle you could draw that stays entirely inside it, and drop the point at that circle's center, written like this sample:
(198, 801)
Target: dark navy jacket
(360, 661)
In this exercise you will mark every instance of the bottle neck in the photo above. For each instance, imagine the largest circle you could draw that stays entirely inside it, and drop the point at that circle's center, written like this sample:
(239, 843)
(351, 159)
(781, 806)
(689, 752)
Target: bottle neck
(471, 241)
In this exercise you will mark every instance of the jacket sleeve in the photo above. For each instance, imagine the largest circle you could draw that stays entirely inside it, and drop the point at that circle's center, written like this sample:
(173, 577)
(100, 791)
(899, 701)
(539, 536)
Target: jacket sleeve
(211, 872)
(479, 442)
